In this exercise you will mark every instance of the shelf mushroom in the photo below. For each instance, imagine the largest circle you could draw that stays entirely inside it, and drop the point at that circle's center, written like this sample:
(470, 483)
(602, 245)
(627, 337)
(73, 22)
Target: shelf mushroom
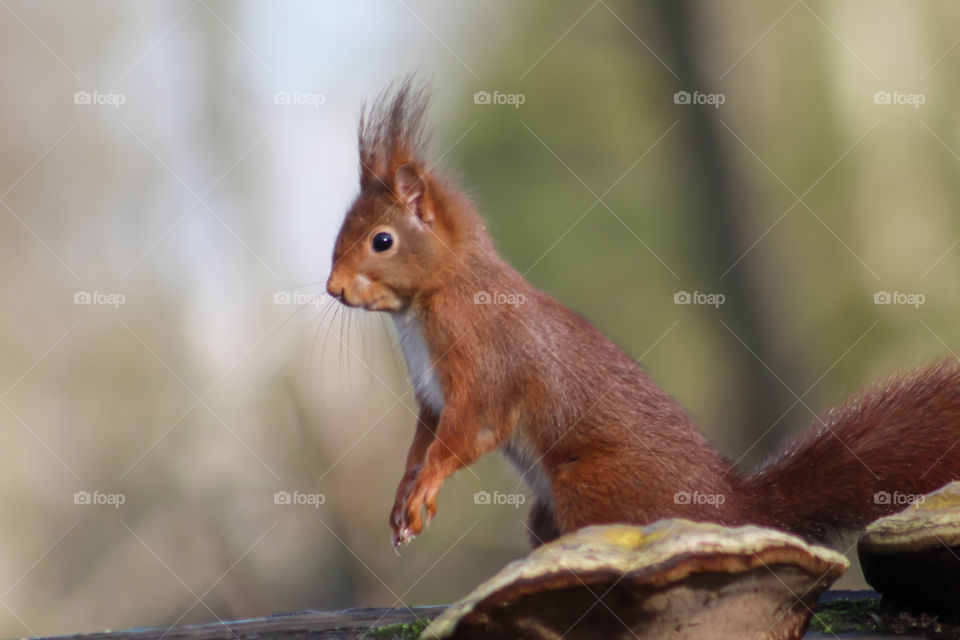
(671, 579)
(913, 557)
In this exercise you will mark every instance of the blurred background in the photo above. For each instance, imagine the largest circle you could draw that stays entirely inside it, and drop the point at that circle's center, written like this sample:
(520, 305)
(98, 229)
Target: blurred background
(172, 177)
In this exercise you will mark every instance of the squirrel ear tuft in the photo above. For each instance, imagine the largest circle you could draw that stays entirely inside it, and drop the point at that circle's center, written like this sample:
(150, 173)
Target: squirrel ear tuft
(410, 188)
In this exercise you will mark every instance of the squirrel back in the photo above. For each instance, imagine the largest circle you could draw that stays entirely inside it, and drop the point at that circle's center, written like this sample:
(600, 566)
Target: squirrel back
(497, 364)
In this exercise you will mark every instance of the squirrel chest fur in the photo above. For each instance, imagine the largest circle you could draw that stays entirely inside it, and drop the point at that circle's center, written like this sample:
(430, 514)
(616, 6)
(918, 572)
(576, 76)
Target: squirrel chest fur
(423, 375)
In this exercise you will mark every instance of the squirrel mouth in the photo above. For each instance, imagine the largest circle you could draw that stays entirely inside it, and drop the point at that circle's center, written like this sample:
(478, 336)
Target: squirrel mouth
(342, 299)
(380, 303)
(374, 305)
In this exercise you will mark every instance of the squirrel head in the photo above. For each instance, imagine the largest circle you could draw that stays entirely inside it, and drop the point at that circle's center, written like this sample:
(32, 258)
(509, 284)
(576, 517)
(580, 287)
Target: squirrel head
(401, 229)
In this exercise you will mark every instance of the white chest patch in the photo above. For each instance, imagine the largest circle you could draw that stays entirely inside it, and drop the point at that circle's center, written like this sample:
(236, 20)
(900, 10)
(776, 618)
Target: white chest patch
(419, 364)
(529, 463)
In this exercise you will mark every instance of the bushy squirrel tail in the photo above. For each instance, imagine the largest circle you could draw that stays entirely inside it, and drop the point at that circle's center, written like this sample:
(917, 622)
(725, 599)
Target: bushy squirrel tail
(867, 458)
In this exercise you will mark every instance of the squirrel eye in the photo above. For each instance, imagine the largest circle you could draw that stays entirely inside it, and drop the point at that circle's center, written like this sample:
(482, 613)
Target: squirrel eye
(382, 241)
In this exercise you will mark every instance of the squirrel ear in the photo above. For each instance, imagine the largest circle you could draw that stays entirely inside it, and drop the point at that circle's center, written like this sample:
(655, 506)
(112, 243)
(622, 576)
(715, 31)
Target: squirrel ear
(410, 189)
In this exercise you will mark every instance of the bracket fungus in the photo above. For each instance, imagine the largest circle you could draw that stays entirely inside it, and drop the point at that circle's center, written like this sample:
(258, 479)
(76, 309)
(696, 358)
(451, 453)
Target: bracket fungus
(913, 557)
(671, 579)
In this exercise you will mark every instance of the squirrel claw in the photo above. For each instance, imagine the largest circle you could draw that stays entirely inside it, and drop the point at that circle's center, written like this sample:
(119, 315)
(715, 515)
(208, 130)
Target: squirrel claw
(401, 536)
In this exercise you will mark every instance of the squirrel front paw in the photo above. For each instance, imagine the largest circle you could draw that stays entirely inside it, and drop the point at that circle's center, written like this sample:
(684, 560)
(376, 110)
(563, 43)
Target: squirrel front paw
(405, 517)
(396, 513)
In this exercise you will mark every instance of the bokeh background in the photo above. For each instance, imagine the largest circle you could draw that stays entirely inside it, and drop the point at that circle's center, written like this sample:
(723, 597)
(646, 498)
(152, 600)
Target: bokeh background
(172, 176)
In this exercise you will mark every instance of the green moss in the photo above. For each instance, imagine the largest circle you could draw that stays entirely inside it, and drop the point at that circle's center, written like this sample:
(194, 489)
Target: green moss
(847, 616)
(872, 615)
(399, 631)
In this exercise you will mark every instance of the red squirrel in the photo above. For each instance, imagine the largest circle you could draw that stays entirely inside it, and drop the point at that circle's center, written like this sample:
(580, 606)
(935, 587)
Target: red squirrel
(595, 439)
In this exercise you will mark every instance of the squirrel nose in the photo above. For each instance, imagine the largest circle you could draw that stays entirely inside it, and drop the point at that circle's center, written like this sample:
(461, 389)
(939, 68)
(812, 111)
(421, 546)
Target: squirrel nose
(334, 288)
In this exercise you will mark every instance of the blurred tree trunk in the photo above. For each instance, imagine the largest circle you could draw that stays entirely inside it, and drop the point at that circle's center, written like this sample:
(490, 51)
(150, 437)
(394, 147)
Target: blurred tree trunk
(762, 398)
